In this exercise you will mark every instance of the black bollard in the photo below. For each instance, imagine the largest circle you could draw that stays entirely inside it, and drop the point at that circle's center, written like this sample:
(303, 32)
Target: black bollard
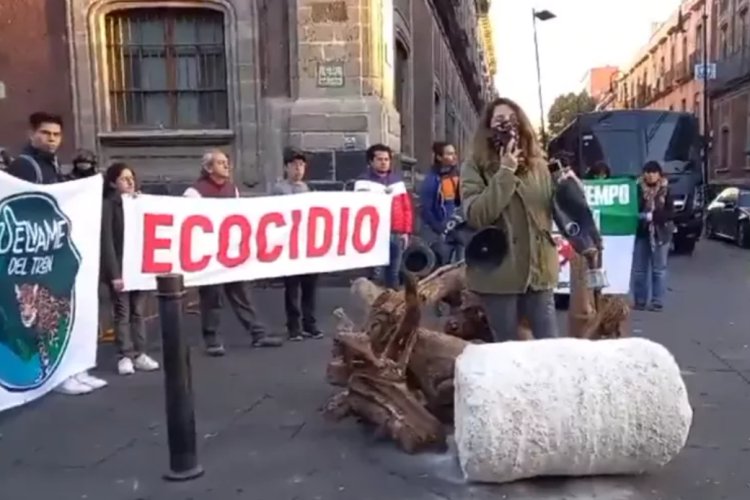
(178, 383)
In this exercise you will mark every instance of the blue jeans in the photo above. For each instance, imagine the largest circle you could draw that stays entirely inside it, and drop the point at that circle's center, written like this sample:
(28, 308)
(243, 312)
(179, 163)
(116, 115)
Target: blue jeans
(390, 275)
(503, 312)
(649, 271)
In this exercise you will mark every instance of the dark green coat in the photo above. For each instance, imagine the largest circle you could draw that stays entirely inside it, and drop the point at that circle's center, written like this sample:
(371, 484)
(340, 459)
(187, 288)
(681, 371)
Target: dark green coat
(521, 205)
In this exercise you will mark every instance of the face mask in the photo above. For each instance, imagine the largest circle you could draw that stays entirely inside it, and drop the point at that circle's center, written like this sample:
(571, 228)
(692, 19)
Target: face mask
(84, 165)
(503, 133)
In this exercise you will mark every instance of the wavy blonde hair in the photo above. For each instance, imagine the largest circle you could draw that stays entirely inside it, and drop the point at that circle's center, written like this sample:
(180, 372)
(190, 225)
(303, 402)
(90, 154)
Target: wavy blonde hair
(484, 154)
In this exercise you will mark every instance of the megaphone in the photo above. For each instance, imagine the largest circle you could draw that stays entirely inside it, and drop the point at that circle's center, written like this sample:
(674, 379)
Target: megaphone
(419, 259)
(574, 219)
(487, 248)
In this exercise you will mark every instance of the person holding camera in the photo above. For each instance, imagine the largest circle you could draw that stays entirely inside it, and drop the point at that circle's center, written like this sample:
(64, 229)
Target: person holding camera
(506, 185)
(440, 201)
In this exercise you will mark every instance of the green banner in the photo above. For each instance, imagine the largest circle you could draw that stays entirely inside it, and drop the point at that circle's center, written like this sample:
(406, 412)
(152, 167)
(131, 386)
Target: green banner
(614, 203)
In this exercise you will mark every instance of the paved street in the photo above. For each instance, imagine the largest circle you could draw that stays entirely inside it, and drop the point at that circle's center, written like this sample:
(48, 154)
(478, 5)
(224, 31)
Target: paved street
(261, 435)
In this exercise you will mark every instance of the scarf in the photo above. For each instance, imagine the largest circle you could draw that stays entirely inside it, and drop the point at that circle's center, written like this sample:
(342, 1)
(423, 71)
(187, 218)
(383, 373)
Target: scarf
(654, 197)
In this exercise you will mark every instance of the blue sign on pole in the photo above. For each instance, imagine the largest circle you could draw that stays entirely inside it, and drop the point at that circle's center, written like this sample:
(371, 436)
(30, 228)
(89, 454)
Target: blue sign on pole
(705, 71)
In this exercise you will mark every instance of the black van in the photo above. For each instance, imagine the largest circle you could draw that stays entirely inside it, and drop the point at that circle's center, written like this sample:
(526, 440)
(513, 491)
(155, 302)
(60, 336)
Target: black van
(626, 139)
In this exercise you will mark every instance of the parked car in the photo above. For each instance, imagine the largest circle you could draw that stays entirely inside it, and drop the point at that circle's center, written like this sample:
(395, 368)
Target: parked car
(728, 216)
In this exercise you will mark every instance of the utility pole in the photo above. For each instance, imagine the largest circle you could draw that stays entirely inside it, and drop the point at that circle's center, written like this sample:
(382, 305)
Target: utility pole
(543, 15)
(706, 131)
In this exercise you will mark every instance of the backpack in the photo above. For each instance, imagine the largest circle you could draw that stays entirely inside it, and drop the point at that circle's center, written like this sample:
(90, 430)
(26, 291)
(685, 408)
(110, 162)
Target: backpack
(35, 164)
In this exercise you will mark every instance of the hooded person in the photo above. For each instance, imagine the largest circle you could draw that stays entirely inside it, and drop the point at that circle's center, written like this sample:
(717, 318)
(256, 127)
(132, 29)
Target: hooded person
(85, 164)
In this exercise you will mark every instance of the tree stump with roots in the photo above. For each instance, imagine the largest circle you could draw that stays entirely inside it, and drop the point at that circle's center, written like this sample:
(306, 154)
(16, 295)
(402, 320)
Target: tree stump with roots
(396, 374)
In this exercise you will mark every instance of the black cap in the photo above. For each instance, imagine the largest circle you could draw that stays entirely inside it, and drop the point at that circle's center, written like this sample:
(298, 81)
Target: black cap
(291, 154)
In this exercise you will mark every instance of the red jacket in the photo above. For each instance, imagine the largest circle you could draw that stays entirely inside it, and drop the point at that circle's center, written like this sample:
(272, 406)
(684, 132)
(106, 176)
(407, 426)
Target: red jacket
(402, 212)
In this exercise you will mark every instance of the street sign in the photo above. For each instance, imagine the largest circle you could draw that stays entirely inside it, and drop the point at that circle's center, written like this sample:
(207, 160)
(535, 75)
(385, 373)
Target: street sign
(705, 72)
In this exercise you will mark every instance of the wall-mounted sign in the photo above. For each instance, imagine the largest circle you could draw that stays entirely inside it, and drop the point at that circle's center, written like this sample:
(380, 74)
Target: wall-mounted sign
(350, 143)
(330, 75)
(705, 72)
(2, 90)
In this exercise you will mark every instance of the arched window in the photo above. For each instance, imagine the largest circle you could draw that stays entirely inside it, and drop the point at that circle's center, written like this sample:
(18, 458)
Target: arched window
(166, 69)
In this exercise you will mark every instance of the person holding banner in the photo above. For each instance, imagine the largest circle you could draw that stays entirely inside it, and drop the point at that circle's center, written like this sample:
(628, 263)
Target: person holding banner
(380, 176)
(128, 308)
(5, 159)
(600, 170)
(299, 291)
(215, 181)
(653, 238)
(38, 164)
(506, 184)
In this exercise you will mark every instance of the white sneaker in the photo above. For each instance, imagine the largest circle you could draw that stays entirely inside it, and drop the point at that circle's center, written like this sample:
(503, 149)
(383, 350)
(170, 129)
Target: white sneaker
(73, 387)
(145, 363)
(125, 366)
(91, 381)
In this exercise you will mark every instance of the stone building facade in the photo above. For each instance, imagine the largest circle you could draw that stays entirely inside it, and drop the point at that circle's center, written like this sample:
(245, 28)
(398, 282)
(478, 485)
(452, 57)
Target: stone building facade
(730, 93)
(155, 82)
(663, 76)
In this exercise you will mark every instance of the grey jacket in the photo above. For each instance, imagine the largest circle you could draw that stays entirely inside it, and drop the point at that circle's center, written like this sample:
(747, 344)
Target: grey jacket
(287, 187)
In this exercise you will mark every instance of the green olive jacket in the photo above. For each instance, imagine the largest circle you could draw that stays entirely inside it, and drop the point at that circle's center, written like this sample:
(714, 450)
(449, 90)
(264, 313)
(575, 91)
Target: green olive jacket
(521, 206)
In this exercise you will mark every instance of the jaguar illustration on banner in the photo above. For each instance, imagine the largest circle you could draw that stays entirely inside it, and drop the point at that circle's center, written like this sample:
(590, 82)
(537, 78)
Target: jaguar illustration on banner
(37, 293)
(48, 266)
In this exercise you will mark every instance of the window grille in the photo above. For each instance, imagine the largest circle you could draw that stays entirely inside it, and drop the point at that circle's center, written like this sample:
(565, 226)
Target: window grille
(166, 69)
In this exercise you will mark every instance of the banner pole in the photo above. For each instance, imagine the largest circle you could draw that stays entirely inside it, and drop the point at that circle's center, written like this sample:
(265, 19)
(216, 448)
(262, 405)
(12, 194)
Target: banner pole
(178, 384)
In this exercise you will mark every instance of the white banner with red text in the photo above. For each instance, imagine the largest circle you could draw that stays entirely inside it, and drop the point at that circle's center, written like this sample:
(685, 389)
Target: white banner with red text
(221, 240)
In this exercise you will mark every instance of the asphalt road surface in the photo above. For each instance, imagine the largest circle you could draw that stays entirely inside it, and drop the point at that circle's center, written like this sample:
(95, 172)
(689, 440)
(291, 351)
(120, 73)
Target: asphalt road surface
(261, 435)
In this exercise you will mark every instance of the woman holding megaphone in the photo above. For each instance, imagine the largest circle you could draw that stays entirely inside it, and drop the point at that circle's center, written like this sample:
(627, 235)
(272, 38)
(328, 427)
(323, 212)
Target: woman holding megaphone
(507, 191)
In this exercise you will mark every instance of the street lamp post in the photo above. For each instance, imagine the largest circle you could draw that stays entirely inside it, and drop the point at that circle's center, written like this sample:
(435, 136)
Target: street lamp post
(706, 132)
(542, 15)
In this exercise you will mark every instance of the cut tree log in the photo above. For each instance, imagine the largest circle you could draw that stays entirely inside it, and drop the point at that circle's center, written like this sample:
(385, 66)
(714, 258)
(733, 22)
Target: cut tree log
(591, 319)
(377, 366)
(431, 370)
(398, 375)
